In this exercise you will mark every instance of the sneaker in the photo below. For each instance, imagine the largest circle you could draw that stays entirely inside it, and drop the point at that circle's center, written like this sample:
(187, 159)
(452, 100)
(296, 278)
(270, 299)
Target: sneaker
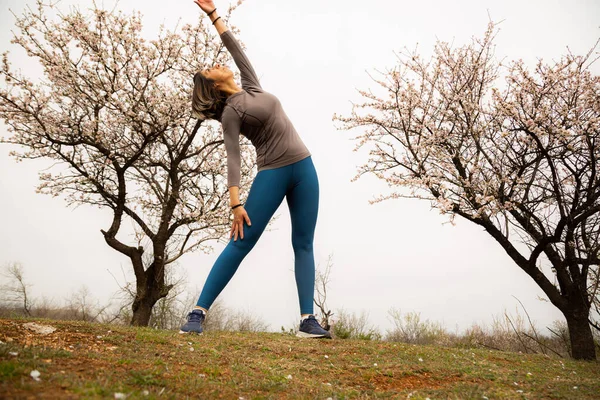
(195, 319)
(310, 328)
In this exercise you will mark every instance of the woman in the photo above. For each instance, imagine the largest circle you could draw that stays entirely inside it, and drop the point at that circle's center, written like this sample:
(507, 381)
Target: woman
(285, 169)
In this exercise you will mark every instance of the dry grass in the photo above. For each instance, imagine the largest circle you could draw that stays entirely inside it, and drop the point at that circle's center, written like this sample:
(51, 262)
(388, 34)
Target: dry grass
(91, 360)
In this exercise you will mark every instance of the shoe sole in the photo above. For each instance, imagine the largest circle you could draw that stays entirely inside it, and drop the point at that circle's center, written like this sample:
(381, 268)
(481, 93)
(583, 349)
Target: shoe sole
(311, 335)
(183, 332)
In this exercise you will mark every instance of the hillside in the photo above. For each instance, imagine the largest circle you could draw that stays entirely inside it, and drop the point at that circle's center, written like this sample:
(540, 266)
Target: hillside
(88, 360)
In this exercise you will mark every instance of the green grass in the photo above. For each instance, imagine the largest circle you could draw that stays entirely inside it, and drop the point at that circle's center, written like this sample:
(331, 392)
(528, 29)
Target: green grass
(95, 361)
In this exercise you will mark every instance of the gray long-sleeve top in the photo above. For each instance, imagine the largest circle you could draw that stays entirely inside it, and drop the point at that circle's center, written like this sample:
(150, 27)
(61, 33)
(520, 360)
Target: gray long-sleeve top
(259, 116)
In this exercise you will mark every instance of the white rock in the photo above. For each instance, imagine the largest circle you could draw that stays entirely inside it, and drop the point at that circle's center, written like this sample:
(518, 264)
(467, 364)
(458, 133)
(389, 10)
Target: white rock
(375, 364)
(326, 356)
(191, 349)
(120, 395)
(13, 353)
(145, 392)
(35, 374)
(288, 377)
(420, 359)
(37, 328)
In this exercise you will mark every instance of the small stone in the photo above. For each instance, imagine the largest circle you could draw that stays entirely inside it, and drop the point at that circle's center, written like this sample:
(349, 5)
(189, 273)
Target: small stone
(145, 392)
(288, 377)
(35, 374)
(120, 395)
(575, 387)
(326, 356)
(13, 353)
(202, 375)
(191, 349)
(99, 337)
(375, 364)
(420, 359)
(519, 391)
(38, 328)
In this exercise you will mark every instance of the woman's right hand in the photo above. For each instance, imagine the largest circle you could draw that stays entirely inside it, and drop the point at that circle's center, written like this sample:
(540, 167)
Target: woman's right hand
(206, 5)
(239, 216)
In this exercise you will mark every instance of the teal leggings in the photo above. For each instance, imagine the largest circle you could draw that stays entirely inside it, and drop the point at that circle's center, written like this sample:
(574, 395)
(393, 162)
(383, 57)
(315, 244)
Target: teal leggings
(299, 184)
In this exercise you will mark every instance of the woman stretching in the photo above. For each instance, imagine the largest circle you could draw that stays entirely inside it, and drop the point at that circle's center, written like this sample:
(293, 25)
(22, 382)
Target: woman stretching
(285, 169)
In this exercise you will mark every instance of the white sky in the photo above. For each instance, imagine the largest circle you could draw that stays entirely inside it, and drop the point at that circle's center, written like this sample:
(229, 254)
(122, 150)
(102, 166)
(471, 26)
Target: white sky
(313, 56)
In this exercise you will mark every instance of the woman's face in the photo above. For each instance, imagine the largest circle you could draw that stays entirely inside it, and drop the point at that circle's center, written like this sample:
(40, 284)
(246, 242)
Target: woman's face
(219, 73)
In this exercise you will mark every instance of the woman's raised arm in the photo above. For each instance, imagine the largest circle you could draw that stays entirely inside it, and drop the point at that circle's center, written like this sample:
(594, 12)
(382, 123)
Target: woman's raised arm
(248, 76)
(208, 6)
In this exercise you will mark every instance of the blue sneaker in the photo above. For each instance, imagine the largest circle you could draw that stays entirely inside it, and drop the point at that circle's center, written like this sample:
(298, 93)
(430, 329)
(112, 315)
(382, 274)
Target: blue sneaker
(310, 328)
(195, 319)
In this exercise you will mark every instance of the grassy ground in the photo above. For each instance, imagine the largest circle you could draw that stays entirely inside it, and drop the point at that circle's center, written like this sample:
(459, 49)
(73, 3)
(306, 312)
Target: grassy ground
(85, 360)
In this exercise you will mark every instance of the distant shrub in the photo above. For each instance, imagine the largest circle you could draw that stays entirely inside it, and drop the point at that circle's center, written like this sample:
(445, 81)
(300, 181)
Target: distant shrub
(353, 326)
(409, 328)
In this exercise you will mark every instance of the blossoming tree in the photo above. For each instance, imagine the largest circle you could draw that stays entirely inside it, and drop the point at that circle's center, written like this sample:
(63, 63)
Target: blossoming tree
(114, 112)
(513, 151)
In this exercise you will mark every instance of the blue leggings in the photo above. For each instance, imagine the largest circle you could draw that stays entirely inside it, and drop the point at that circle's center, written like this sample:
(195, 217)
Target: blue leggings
(299, 184)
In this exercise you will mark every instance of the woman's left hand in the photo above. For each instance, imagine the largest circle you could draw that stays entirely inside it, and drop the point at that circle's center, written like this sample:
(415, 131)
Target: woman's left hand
(239, 216)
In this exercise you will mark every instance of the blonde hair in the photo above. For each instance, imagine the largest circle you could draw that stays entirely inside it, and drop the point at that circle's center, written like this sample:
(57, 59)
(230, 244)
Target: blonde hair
(208, 102)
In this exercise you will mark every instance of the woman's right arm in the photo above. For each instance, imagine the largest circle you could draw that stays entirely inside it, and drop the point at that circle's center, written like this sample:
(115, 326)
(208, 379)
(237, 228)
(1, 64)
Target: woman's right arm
(248, 75)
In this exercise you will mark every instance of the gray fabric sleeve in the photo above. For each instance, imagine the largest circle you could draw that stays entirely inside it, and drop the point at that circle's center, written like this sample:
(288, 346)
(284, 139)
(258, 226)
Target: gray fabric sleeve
(247, 73)
(231, 124)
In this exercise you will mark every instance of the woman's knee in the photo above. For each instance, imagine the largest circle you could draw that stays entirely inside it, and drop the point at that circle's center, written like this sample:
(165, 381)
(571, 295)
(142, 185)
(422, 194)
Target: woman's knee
(302, 245)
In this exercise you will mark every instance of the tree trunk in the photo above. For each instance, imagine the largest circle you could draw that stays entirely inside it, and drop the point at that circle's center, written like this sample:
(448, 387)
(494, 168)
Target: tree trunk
(150, 289)
(147, 294)
(142, 310)
(580, 333)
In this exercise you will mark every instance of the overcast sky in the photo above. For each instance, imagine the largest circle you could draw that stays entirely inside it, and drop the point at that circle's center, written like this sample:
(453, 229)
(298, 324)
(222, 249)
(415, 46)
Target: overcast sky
(314, 56)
